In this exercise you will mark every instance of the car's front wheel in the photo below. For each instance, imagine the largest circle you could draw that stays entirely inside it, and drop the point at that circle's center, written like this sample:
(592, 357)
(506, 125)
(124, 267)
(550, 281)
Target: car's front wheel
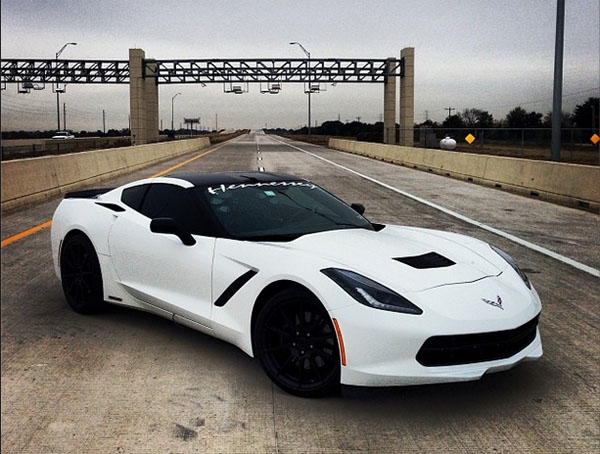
(295, 341)
(81, 275)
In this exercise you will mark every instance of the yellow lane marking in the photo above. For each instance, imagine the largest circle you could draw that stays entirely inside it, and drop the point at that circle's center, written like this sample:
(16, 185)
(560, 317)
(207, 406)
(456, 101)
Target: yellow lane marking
(26, 233)
(45, 225)
(164, 172)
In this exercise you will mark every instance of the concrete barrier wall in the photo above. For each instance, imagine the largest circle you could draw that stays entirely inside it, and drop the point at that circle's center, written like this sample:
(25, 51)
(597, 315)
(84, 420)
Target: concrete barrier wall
(569, 184)
(32, 180)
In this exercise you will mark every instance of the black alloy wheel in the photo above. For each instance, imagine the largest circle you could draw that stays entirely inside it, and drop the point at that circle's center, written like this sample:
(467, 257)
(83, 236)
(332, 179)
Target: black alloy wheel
(81, 275)
(296, 344)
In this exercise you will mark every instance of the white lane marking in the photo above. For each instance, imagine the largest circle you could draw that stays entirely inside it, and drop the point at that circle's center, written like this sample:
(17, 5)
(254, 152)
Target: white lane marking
(259, 158)
(555, 255)
(261, 169)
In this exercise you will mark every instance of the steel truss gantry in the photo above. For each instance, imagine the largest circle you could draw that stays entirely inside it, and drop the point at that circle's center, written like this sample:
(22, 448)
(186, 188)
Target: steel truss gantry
(204, 71)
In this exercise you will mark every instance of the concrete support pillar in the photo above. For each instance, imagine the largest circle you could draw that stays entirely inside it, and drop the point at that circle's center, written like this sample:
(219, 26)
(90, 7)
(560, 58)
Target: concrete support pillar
(389, 108)
(407, 98)
(143, 100)
(151, 94)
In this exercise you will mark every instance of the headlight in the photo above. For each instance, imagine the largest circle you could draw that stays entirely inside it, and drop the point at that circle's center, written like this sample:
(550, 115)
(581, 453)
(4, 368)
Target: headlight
(370, 293)
(514, 265)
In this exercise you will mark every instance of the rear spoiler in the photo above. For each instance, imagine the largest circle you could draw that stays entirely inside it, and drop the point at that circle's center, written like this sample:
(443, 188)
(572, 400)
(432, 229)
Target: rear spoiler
(87, 194)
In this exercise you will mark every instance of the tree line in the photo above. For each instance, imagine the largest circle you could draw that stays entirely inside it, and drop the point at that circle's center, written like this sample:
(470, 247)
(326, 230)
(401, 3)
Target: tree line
(584, 115)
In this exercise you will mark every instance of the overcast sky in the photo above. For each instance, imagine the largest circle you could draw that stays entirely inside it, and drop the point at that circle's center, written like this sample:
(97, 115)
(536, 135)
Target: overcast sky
(492, 55)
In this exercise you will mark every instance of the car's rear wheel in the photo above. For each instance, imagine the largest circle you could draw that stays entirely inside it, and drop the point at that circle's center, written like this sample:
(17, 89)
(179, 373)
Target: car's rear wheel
(81, 275)
(295, 341)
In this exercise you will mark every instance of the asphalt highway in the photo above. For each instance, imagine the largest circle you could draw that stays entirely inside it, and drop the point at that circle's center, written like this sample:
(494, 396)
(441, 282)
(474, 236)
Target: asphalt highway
(129, 382)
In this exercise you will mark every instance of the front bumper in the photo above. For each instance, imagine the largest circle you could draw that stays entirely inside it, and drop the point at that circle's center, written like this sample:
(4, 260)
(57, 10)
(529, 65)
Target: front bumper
(381, 347)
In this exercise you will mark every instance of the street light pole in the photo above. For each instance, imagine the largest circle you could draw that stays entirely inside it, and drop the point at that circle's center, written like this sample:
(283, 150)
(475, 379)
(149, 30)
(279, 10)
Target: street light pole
(309, 86)
(172, 104)
(57, 92)
(558, 76)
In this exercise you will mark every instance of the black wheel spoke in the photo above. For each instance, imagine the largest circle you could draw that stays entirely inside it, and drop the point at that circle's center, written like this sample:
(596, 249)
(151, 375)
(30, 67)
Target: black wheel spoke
(70, 286)
(284, 365)
(300, 371)
(315, 368)
(69, 262)
(276, 348)
(279, 331)
(85, 287)
(323, 353)
(286, 317)
(75, 257)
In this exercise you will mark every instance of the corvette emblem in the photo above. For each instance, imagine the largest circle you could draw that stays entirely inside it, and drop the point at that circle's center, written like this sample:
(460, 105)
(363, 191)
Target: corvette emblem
(497, 303)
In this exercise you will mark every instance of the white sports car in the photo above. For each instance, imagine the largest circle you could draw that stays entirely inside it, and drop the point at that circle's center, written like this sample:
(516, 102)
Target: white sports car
(289, 273)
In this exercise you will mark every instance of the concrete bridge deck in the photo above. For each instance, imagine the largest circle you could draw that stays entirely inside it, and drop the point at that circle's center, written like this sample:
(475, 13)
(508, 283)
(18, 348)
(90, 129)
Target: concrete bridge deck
(126, 381)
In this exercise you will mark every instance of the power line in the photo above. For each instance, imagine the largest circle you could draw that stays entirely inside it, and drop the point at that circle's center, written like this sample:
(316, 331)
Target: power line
(568, 95)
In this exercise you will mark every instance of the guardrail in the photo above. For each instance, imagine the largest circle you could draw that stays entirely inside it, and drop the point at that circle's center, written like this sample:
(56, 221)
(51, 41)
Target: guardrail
(20, 149)
(567, 184)
(31, 180)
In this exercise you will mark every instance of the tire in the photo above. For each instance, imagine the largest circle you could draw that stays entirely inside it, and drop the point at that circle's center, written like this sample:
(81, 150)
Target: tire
(81, 275)
(296, 344)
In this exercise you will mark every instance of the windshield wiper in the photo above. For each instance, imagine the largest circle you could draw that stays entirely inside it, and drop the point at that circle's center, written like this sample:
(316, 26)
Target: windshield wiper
(318, 213)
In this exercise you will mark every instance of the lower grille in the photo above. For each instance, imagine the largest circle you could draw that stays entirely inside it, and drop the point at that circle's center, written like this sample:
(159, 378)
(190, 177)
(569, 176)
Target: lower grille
(475, 348)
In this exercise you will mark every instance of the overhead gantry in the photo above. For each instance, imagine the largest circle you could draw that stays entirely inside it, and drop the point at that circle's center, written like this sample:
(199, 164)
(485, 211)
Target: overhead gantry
(144, 75)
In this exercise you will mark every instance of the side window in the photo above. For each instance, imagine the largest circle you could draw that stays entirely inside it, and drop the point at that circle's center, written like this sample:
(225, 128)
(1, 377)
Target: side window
(132, 197)
(170, 201)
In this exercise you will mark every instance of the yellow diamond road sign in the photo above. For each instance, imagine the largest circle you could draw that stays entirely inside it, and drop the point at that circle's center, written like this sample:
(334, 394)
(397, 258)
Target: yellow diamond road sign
(595, 138)
(470, 138)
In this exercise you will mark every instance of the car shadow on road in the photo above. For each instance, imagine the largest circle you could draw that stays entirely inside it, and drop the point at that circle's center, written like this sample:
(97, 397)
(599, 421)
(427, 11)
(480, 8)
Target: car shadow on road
(526, 384)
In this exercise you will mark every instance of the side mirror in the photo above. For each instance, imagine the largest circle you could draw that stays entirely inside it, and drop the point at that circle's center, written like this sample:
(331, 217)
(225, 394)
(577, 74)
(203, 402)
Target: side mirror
(171, 226)
(358, 207)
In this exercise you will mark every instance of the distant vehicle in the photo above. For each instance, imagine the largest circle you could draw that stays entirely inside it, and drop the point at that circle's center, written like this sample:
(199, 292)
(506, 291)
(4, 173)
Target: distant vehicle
(63, 135)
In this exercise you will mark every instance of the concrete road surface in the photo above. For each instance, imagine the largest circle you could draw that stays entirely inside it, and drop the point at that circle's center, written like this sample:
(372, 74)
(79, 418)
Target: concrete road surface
(129, 382)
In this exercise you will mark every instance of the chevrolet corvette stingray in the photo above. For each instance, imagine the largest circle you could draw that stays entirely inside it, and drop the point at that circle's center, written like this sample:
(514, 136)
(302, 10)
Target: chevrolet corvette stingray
(292, 275)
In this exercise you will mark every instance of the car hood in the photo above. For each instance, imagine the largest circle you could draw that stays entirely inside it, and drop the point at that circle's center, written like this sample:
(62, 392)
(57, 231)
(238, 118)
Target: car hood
(374, 255)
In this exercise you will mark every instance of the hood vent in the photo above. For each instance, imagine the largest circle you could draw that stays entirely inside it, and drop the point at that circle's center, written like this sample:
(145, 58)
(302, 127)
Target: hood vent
(429, 260)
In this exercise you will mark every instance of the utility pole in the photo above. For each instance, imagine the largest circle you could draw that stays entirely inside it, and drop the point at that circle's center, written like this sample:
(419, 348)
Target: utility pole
(426, 115)
(65, 115)
(103, 121)
(338, 116)
(217, 122)
(449, 109)
(558, 74)
(358, 119)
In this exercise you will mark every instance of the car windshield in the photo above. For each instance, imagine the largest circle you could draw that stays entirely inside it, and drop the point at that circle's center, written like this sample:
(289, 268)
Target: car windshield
(279, 211)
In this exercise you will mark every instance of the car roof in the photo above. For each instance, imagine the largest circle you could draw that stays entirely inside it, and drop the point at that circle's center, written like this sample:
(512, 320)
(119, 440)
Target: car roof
(214, 178)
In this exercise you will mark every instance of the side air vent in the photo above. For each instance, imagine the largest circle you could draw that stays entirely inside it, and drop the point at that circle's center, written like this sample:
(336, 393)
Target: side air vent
(429, 260)
(111, 206)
